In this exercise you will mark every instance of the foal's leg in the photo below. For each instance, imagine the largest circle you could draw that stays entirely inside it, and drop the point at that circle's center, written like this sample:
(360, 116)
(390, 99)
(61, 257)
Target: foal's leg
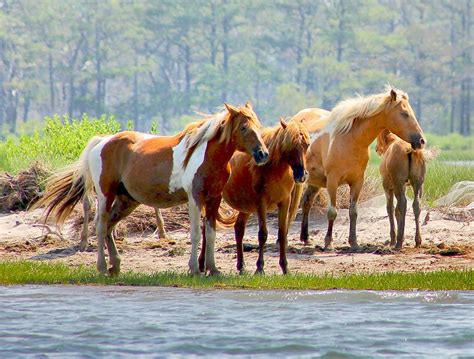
(283, 233)
(417, 191)
(389, 198)
(194, 210)
(212, 206)
(202, 255)
(160, 224)
(308, 199)
(262, 236)
(400, 213)
(354, 193)
(86, 205)
(122, 207)
(239, 230)
(332, 212)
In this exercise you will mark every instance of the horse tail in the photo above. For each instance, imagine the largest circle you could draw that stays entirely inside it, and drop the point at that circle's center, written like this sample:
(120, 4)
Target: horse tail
(296, 194)
(67, 187)
(226, 216)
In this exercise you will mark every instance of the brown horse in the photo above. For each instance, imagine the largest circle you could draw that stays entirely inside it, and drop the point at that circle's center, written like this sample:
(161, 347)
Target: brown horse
(340, 153)
(252, 188)
(401, 166)
(127, 169)
(314, 119)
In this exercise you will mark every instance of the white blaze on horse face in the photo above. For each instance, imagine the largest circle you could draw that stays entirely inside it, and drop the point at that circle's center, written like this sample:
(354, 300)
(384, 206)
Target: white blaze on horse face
(95, 167)
(183, 178)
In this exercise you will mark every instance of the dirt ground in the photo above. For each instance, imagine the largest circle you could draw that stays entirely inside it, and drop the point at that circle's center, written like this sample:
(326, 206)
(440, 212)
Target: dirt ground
(448, 243)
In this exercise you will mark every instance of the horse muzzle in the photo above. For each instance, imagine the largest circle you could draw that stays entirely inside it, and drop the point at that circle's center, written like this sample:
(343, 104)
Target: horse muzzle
(300, 175)
(417, 142)
(260, 156)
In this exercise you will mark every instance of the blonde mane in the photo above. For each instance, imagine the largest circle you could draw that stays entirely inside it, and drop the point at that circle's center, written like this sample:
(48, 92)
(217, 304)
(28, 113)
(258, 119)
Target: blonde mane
(210, 127)
(347, 112)
(280, 141)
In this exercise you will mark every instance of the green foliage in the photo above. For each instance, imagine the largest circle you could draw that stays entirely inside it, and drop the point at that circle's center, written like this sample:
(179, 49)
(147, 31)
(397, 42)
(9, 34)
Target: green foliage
(454, 147)
(61, 142)
(29, 272)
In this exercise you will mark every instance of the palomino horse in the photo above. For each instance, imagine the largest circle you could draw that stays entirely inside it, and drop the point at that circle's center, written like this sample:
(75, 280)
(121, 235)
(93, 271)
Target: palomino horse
(314, 119)
(127, 169)
(252, 188)
(401, 166)
(341, 152)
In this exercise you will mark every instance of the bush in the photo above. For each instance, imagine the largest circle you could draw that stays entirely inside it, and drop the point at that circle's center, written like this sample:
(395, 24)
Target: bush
(60, 143)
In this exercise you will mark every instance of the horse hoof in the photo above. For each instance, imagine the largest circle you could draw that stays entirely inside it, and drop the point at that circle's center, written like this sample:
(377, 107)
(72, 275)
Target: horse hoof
(114, 271)
(259, 272)
(328, 248)
(214, 272)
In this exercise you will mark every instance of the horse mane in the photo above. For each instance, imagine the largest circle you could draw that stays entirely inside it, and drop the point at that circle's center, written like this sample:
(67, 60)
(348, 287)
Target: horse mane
(210, 127)
(384, 139)
(347, 112)
(280, 141)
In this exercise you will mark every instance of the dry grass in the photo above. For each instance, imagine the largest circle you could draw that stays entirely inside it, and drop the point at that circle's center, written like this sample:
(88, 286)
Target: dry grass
(18, 192)
(142, 220)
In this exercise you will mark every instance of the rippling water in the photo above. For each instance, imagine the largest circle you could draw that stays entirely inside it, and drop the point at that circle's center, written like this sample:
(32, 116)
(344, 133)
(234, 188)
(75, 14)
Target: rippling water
(59, 321)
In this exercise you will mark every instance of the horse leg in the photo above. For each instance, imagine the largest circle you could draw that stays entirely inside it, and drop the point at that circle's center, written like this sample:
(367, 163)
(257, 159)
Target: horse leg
(262, 236)
(194, 210)
(122, 207)
(308, 198)
(417, 190)
(160, 224)
(283, 233)
(101, 230)
(332, 213)
(400, 213)
(212, 206)
(202, 255)
(239, 230)
(389, 198)
(86, 205)
(354, 193)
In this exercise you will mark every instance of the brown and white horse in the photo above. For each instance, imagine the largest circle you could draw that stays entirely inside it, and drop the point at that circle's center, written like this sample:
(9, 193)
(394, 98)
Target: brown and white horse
(252, 188)
(129, 168)
(340, 153)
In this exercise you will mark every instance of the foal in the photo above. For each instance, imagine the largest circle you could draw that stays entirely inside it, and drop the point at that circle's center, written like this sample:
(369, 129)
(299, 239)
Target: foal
(401, 166)
(252, 188)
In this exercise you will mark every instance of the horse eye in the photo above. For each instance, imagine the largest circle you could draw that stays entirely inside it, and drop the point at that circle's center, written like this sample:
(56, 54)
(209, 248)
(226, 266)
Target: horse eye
(405, 114)
(243, 128)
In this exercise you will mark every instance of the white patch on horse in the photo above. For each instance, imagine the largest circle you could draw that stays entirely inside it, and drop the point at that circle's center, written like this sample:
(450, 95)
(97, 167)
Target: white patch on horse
(183, 178)
(95, 166)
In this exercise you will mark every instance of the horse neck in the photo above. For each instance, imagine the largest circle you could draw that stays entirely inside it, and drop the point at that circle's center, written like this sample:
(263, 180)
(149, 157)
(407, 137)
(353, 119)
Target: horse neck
(367, 130)
(221, 152)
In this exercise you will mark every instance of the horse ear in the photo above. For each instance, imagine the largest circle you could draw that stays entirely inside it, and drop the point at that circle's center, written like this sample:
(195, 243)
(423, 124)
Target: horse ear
(232, 110)
(283, 123)
(393, 95)
(248, 105)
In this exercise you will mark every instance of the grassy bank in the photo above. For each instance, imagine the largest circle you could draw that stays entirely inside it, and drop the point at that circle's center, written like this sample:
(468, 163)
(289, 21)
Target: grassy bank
(27, 272)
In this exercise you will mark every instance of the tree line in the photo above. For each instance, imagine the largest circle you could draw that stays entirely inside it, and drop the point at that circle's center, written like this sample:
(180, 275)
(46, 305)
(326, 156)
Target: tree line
(158, 61)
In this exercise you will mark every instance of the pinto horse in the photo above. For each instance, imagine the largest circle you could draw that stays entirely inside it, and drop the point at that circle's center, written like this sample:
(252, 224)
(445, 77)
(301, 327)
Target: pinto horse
(340, 153)
(128, 169)
(401, 166)
(252, 188)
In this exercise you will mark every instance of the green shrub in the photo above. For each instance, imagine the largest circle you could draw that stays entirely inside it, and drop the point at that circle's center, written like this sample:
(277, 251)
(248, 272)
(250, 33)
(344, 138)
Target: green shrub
(61, 142)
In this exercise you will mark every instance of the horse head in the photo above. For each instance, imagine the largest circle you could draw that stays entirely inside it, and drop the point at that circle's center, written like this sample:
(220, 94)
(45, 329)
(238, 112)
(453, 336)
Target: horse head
(244, 130)
(401, 120)
(294, 144)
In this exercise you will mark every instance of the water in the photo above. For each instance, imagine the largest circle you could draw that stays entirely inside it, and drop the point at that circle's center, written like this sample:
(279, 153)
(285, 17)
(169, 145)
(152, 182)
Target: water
(72, 321)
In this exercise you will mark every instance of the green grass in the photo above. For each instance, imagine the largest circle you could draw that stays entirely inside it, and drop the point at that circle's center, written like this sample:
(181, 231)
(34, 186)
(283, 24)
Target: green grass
(58, 144)
(29, 272)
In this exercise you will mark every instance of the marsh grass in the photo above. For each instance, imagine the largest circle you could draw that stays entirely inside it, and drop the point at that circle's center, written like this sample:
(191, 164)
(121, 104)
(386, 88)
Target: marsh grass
(29, 272)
